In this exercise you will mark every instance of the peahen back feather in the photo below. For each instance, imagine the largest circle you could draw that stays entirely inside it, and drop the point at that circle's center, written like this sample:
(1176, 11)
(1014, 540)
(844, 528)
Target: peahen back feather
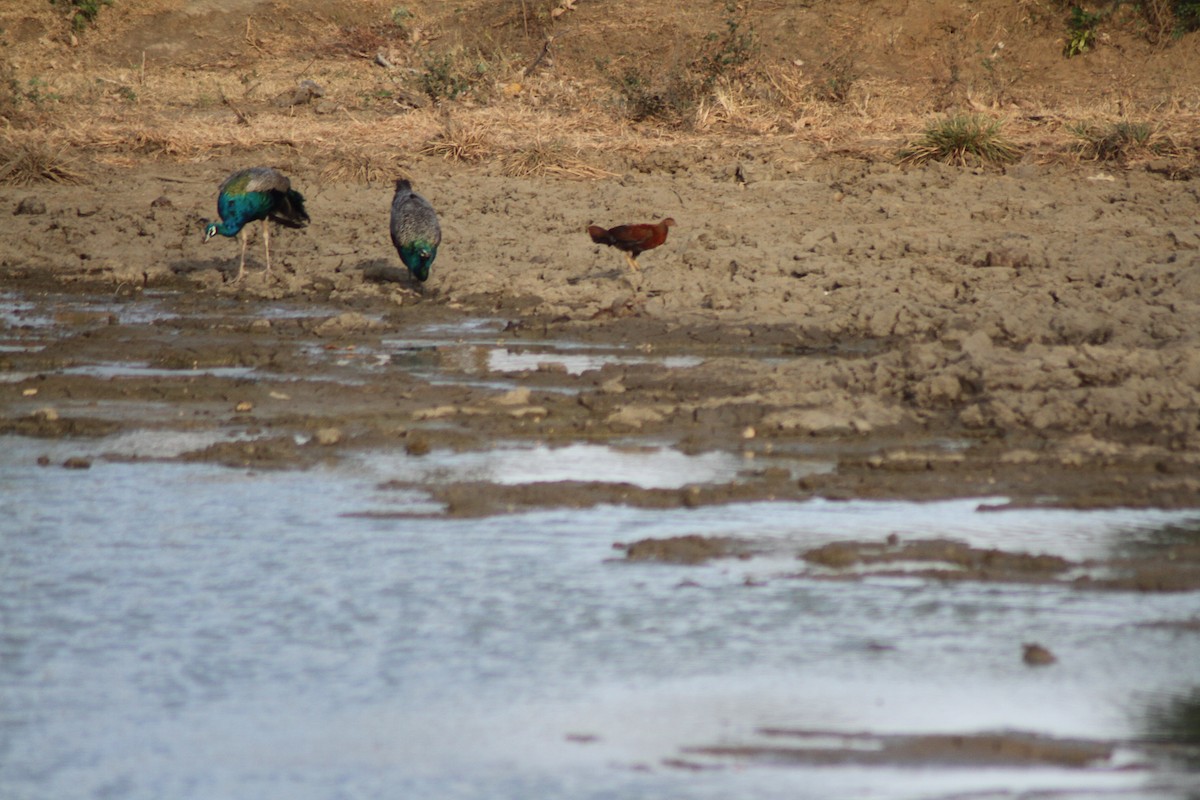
(415, 230)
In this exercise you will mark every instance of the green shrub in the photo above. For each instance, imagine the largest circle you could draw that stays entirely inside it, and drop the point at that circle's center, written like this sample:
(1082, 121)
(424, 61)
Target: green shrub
(731, 50)
(1082, 28)
(442, 79)
(1187, 15)
(961, 139)
(85, 11)
(1115, 142)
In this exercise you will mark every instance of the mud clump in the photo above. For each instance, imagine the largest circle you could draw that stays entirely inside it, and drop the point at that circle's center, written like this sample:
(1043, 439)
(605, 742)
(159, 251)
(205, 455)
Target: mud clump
(963, 560)
(49, 424)
(279, 452)
(1005, 749)
(691, 549)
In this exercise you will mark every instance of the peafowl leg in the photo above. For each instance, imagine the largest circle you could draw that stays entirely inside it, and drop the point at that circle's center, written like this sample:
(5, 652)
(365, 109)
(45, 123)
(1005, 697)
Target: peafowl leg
(267, 243)
(633, 265)
(242, 264)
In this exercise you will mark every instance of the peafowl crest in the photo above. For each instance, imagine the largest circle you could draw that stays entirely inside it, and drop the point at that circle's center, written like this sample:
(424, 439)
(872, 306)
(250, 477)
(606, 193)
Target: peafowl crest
(415, 230)
(257, 193)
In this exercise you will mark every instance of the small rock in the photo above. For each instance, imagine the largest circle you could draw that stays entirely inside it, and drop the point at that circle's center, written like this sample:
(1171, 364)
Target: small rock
(1019, 456)
(29, 392)
(46, 414)
(349, 322)
(1037, 656)
(327, 436)
(31, 206)
(417, 446)
(43, 461)
(306, 92)
(437, 412)
(516, 397)
(634, 416)
(260, 325)
(162, 201)
(77, 462)
(243, 407)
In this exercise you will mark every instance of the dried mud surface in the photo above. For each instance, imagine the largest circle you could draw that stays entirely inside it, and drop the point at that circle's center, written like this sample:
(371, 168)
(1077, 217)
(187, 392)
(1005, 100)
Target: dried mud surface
(936, 332)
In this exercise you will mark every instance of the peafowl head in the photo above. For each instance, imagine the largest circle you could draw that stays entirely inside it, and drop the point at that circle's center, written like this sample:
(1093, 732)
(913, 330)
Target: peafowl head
(210, 230)
(418, 257)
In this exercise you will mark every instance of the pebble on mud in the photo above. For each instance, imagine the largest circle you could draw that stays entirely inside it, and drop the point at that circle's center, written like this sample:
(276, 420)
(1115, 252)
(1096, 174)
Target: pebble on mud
(77, 462)
(244, 407)
(1036, 656)
(515, 397)
(327, 436)
(31, 206)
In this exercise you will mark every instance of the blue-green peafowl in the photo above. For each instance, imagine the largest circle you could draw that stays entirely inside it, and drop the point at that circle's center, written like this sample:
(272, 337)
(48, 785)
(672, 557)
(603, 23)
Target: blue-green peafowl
(256, 193)
(415, 230)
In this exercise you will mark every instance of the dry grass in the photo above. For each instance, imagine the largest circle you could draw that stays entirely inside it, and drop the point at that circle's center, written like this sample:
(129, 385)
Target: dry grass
(30, 160)
(359, 164)
(1118, 141)
(460, 142)
(549, 157)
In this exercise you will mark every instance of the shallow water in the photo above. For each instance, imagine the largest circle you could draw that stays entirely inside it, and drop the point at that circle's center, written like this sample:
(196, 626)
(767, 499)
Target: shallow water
(176, 630)
(193, 631)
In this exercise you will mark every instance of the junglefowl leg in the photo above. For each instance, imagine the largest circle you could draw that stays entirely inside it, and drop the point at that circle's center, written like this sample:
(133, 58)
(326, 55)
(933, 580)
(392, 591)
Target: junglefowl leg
(633, 265)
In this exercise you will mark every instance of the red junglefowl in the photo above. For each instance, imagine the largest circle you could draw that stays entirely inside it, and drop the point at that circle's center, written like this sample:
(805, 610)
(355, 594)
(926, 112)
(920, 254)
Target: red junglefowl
(633, 240)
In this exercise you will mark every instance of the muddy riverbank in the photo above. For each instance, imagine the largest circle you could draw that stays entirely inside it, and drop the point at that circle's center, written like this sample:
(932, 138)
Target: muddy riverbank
(928, 333)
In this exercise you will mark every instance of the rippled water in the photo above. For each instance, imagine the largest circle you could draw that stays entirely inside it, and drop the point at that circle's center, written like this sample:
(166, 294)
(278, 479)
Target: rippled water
(182, 631)
(191, 631)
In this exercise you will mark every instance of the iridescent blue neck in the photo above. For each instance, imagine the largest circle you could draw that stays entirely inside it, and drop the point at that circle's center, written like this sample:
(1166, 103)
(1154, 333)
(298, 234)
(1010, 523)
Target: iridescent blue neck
(229, 228)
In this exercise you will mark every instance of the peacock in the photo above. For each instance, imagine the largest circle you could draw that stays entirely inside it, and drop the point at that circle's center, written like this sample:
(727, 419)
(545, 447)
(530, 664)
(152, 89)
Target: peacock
(256, 193)
(415, 230)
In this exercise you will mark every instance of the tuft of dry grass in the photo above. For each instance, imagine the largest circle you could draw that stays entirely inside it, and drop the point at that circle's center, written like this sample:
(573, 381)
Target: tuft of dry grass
(541, 157)
(463, 143)
(359, 164)
(1119, 141)
(28, 161)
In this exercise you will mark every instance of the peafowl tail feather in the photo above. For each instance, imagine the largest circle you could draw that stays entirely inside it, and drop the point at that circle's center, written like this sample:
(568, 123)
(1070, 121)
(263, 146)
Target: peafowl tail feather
(289, 209)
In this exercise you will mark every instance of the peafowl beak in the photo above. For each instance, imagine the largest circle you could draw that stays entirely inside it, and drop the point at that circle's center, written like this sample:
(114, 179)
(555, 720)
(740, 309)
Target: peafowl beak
(210, 230)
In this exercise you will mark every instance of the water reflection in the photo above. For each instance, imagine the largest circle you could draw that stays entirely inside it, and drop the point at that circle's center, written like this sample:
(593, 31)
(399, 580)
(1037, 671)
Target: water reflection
(1174, 721)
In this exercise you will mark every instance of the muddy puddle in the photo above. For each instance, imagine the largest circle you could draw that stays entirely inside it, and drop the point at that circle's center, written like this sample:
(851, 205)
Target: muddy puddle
(285, 551)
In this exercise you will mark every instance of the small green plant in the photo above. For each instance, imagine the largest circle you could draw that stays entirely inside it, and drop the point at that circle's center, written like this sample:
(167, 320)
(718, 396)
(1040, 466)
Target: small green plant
(962, 139)
(730, 50)
(639, 99)
(84, 11)
(36, 92)
(441, 79)
(1187, 15)
(1115, 142)
(833, 79)
(1082, 31)
(669, 98)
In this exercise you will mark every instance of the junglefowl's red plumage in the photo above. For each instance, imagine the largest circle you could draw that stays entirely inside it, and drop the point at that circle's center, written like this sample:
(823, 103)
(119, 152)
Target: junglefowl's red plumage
(633, 240)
